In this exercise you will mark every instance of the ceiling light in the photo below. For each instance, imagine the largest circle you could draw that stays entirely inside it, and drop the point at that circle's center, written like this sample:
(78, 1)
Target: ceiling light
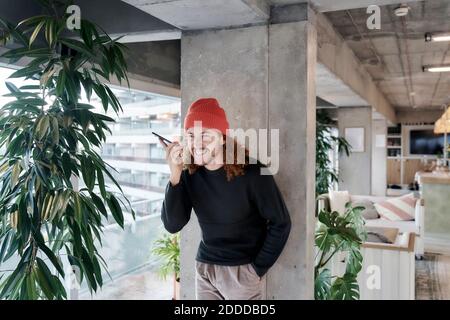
(437, 37)
(401, 11)
(441, 68)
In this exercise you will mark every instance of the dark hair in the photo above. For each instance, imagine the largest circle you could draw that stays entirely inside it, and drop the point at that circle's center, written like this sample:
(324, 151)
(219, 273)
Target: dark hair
(232, 169)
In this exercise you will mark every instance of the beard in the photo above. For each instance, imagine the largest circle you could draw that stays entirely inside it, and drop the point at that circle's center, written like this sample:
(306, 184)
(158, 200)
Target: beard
(203, 157)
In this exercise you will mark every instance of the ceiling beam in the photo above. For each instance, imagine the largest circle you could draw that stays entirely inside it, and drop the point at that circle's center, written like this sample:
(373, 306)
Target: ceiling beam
(147, 36)
(334, 53)
(206, 14)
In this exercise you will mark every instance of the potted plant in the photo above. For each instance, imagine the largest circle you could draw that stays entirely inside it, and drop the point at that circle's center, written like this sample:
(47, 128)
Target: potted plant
(51, 138)
(336, 234)
(167, 248)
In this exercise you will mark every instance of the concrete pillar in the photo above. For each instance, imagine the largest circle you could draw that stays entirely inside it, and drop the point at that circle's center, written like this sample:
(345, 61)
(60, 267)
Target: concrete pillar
(379, 154)
(264, 77)
(355, 171)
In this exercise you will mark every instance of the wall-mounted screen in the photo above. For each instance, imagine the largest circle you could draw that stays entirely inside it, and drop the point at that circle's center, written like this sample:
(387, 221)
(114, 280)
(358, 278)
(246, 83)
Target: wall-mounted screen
(425, 142)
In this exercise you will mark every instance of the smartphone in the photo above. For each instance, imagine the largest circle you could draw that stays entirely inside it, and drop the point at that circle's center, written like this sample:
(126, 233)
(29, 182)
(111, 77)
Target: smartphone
(164, 140)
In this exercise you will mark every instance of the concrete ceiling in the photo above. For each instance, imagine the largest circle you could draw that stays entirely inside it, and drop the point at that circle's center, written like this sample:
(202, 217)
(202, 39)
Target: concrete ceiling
(334, 5)
(207, 14)
(114, 16)
(210, 14)
(395, 54)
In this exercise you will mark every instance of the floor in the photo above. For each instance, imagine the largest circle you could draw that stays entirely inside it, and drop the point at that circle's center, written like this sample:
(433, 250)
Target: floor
(144, 284)
(432, 283)
(433, 277)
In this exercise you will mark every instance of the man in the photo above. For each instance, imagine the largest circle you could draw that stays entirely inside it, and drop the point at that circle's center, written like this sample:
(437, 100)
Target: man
(243, 218)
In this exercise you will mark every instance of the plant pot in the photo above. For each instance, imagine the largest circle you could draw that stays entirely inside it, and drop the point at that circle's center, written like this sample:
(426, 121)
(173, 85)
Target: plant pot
(176, 288)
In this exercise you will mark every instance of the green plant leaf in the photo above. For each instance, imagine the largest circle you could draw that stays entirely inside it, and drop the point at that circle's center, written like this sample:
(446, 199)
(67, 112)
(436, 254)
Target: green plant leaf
(115, 209)
(60, 83)
(89, 270)
(101, 183)
(101, 93)
(32, 20)
(13, 280)
(26, 72)
(30, 280)
(4, 245)
(50, 31)
(11, 87)
(20, 95)
(354, 261)
(322, 285)
(78, 209)
(45, 279)
(99, 204)
(18, 53)
(85, 106)
(36, 32)
(51, 256)
(88, 172)
(12, 249)
(30, 87)
(42, 127)
(97, 271)
(66, 164)
(55, 130)
(345, 288)
(78, 46)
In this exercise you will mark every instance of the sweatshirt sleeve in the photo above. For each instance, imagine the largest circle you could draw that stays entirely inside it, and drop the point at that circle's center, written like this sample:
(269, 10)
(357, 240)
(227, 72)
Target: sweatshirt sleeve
(271, 206)
(176, 208)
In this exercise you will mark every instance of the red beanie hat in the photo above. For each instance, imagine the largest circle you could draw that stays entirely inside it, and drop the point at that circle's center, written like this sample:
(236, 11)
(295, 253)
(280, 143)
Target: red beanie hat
(208, 111)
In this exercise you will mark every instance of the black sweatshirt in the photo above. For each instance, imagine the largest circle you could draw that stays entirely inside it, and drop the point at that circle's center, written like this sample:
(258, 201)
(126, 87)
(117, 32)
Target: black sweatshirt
(244, 220)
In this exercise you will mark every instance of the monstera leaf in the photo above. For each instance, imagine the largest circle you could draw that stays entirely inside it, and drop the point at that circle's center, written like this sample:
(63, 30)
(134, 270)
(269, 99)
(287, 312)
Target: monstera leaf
(334, 232)
(322, 285)
(345, 288)
(354, 261)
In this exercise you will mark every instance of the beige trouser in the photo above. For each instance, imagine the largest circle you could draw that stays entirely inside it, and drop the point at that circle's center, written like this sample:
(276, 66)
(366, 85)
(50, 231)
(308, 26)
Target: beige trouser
(216, 282)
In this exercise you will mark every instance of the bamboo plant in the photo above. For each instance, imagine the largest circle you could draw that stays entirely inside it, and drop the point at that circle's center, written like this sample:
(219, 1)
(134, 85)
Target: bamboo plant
(326, 175)
(50, 140)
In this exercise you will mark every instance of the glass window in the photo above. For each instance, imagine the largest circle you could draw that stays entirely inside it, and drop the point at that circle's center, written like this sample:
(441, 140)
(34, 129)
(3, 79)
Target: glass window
(141, 171)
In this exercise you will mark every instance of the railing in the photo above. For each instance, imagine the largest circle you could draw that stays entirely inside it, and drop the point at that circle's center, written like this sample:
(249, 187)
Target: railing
(142, 129)
(134, 159)
(124, 250)
(140, 186)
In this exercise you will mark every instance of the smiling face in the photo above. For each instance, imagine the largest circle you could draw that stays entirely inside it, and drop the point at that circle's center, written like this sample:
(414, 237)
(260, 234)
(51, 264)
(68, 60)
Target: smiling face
(205, 145)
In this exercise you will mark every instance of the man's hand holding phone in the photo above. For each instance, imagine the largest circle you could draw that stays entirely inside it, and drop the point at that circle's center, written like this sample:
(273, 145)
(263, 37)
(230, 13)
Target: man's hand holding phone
(174, 158)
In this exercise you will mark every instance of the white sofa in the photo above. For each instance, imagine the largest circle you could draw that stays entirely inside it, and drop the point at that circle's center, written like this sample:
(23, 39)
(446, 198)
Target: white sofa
(414, 226)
